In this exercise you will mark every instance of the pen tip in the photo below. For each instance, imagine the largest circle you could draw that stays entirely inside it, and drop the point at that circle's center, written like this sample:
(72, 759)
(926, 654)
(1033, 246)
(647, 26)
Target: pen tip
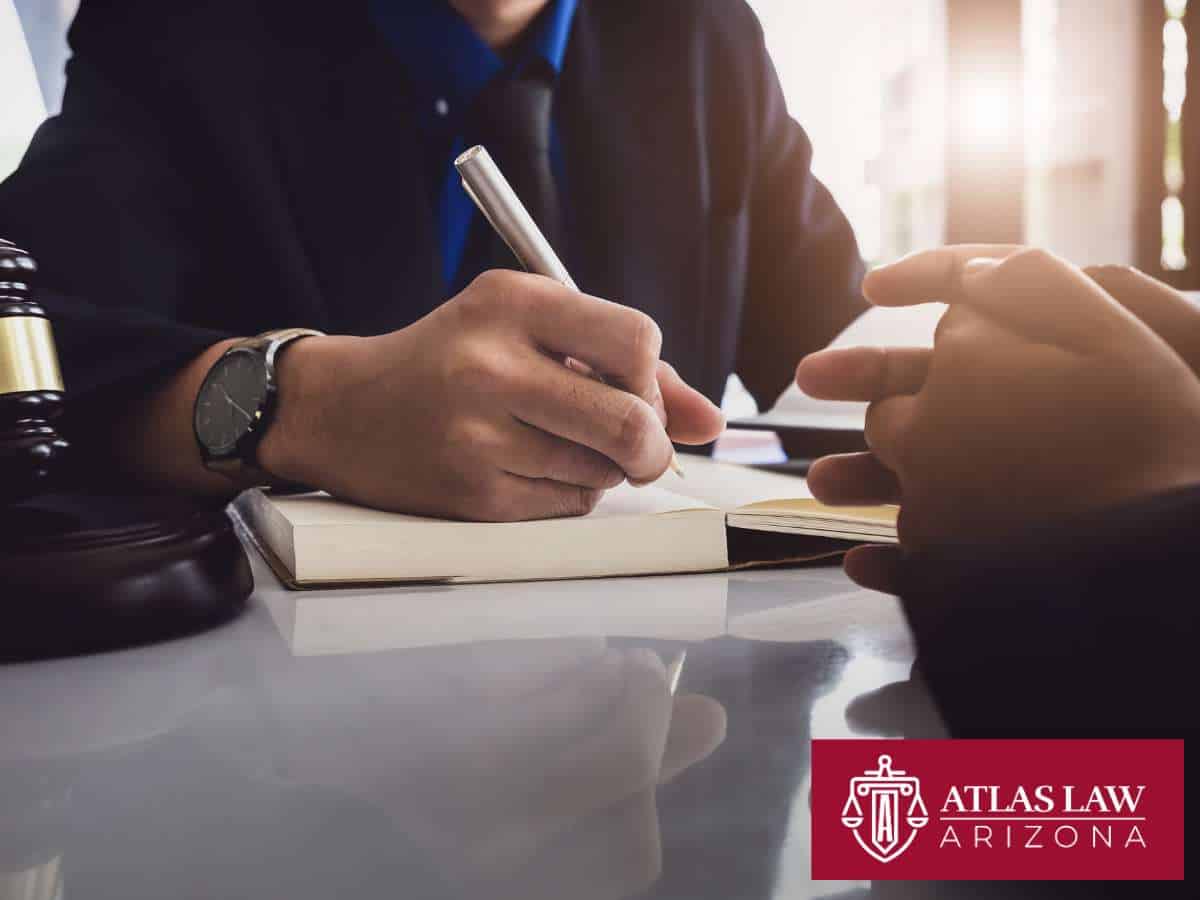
(676, 467)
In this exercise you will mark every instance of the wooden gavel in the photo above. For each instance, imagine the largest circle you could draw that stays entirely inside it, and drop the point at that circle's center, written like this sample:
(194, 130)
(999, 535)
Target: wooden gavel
(31, 386)
(91, 566)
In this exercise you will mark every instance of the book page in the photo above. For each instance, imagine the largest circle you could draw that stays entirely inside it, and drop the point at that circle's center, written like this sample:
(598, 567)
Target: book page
(813, 509)
(729, 487)
(651, 500)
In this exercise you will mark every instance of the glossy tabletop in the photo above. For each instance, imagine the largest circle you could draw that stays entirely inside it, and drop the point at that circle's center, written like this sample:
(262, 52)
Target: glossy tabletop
(490, 741)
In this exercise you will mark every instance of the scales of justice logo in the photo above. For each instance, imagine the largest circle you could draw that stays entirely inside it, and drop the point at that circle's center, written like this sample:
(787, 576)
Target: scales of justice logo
(882, 792)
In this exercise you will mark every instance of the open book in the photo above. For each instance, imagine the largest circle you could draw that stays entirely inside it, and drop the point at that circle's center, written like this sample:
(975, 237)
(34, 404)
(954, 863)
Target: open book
(719, 517)
(909, 326)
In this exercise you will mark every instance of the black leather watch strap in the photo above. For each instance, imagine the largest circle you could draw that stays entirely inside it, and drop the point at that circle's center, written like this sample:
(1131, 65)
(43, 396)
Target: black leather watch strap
(242, 465)
(274, 346)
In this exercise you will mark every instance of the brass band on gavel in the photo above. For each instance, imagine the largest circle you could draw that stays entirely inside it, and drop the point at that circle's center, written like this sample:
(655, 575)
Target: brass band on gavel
(28, 359)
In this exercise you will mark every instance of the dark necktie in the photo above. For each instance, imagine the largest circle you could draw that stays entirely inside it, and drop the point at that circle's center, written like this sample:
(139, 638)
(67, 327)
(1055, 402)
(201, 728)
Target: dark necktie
(511, 118)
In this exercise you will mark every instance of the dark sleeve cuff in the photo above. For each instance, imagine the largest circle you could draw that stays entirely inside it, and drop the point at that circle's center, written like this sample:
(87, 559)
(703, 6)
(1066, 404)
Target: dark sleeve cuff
(1085, 629)
(104, 350)
(110, 359)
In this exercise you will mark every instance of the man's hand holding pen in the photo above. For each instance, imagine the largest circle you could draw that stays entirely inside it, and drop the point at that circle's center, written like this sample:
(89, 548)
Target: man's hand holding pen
(468, 412)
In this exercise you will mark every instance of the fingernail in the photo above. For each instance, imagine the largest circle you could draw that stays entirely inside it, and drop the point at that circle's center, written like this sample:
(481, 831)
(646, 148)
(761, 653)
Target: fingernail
(979, 264)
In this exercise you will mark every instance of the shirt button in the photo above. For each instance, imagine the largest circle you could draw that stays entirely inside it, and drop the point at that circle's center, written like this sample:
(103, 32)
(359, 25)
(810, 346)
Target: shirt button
(441, 107)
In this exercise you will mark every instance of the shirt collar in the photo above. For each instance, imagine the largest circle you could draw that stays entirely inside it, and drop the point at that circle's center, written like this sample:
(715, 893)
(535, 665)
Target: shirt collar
(445, 56)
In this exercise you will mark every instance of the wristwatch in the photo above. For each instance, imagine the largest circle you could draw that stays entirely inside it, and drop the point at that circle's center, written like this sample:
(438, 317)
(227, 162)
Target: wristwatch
(236, 405)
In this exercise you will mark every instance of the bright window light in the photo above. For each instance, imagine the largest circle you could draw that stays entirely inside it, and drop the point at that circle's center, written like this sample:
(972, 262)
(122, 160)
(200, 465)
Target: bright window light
(987, 113)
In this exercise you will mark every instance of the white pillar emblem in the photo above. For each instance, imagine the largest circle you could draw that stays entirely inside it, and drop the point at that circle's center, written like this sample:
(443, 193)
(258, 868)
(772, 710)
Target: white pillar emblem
(882, 791)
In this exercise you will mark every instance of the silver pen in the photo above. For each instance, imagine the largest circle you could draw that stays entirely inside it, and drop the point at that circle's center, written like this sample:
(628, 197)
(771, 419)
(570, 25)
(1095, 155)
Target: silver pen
(486, 185)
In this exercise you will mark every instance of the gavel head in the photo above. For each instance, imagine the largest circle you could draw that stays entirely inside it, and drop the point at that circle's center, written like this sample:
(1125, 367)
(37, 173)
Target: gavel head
(31, 388)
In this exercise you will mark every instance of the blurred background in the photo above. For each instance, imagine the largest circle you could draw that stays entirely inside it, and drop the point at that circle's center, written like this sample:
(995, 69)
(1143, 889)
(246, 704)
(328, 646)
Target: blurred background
(1062, 123)
(1051, 122)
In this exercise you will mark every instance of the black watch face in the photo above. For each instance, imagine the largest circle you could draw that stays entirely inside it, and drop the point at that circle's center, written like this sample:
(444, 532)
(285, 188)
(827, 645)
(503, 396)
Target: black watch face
(231, 400)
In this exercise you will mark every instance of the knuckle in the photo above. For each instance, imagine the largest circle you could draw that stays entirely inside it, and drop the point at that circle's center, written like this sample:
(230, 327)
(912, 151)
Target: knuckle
(1031, 260)
(877, 432)
(635, 428)
(496, 292)
(479, 367)
(647, 338)
(466, 432)
(474, 303)
(492, 284)
(1106, 270)
(950, 325)
(962, 343)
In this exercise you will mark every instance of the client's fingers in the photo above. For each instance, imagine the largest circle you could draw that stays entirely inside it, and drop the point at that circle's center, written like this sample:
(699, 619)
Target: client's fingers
(853, 479)
(1168, 312)
(927, 275)
(1046, 299)
(1029, 291)
(876, 567)
(863, 373)
(887, 420)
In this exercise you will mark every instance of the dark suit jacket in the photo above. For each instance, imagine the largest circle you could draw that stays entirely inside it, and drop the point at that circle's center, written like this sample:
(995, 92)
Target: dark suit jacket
(1079, 630)
(1083, 629)
(237, 165)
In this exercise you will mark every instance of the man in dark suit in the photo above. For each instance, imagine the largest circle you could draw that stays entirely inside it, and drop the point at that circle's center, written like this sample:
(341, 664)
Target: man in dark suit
(229, 168)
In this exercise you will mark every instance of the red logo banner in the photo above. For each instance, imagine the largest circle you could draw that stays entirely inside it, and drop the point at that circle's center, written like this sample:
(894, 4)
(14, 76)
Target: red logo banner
(997, 810)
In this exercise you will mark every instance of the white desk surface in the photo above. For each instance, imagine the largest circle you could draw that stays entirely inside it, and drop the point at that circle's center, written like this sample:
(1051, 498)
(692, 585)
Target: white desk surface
(530, 748)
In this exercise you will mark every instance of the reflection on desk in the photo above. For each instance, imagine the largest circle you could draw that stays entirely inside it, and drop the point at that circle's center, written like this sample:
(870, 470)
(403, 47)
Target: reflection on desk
(225, 766)
(811, 606)
(523, 769)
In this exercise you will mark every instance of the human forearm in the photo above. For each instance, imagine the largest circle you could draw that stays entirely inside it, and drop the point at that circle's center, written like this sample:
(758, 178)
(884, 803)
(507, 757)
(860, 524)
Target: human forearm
(153, 440)
(465, 413)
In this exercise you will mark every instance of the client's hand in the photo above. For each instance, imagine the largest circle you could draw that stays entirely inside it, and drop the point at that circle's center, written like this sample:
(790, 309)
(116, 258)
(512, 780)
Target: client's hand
(1042, 399)
(1174, 317)
(470, 413)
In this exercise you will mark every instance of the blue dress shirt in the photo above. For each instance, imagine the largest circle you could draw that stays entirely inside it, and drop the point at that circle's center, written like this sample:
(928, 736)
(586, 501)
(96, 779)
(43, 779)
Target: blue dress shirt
(449, 64)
